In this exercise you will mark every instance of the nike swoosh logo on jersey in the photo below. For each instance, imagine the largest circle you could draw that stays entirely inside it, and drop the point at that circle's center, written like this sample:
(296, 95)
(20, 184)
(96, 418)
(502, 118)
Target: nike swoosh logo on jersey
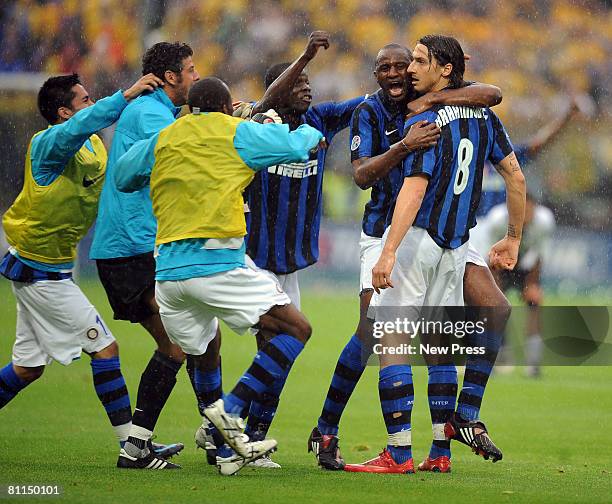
(390, 132)
(91, 181)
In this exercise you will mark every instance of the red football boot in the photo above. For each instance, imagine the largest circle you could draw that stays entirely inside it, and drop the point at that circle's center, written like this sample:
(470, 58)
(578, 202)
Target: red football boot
(439, 465)
(384, 463)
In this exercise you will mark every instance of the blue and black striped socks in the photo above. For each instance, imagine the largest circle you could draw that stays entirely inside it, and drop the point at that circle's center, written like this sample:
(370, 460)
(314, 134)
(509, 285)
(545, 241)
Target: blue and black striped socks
(442, 395)
(113, 394)
(262, 411)
(396, 394)
(10, 384)
(267, 373)
(478, 368)
(346, 375)
(207, 385)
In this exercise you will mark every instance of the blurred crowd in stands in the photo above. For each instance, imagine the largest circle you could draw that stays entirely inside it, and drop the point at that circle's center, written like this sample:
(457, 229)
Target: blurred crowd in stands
(539, 52)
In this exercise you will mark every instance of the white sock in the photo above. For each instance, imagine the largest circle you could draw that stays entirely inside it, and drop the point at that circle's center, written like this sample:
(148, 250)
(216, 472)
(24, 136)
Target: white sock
(140, 433)
(533, 350)
(122, 431)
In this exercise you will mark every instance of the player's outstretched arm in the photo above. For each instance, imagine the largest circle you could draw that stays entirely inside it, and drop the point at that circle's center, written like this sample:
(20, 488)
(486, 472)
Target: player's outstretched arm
(133, 169)
(406, 208)
(280, 89)
(263, 145)
(474, 95)
(367, 170)
(504, 254)
(54, 147)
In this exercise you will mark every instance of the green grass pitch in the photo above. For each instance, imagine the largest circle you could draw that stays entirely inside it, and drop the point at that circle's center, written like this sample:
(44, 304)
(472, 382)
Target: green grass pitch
(555, 432)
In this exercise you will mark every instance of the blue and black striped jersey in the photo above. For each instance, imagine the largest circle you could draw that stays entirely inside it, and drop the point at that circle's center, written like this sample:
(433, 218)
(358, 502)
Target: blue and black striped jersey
(285, 201)
(469, 137)
(493, 187)
(377, 124)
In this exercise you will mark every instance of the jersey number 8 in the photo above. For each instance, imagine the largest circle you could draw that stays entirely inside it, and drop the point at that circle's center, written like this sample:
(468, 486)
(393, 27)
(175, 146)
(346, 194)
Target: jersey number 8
(465, 151)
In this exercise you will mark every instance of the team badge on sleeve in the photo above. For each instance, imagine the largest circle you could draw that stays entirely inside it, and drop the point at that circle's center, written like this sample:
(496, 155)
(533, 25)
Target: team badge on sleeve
(355, 142)
(92, 333)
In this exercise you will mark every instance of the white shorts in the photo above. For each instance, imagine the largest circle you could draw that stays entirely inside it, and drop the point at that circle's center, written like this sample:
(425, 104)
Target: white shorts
(369, 252)
(474, 257)
(289, 282)
(189, 308)
(424, 274)
(55, 321)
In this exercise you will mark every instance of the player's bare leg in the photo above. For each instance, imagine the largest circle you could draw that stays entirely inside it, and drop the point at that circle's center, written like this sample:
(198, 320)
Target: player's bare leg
(481, 291)
(28, 374)
(14, 378)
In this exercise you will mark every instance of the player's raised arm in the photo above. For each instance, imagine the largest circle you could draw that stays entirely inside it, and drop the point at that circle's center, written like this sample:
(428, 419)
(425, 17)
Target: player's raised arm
(504, 254)
(473, 95)
(263, 145)
(547, 133)
(279, 91)
(133, 169)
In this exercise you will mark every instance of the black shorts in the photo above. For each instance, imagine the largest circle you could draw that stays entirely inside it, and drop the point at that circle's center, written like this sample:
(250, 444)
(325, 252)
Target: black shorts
(128, 282)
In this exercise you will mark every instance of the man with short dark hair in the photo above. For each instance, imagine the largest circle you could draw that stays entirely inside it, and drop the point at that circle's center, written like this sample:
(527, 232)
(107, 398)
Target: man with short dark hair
(65, 167)
(124, 237)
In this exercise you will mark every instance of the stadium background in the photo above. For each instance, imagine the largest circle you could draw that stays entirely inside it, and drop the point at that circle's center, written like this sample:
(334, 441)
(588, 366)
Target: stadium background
(539, 53)
(554, 431)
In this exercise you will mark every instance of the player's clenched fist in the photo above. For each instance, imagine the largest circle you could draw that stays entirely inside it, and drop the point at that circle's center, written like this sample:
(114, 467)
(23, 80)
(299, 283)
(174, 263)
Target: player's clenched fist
(504, 254)
(381, 272)
(146, 83)
(316, 40)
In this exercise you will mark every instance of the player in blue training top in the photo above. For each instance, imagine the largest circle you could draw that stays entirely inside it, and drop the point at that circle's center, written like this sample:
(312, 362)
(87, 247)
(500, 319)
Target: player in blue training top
(124, 236)
(378, 146)
(429, 232)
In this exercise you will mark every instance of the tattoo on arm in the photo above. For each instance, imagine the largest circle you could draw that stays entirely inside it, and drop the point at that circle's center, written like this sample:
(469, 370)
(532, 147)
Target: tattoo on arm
(514, 164)
(512, 231)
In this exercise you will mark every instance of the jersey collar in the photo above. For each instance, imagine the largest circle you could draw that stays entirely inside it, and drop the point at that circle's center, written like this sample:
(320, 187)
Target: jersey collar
(389, 106)
(161, 96)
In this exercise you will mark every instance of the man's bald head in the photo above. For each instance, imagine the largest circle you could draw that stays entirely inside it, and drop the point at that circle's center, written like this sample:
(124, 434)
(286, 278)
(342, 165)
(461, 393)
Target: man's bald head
(210, 95)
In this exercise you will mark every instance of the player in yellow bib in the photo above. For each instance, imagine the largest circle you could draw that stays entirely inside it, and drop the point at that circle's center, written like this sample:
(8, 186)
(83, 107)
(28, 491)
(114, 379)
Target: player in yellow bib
(198, 168)
(64, 170)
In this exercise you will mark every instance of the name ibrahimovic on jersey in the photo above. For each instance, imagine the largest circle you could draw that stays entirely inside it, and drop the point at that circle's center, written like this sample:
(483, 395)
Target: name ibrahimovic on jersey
(452, 112)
